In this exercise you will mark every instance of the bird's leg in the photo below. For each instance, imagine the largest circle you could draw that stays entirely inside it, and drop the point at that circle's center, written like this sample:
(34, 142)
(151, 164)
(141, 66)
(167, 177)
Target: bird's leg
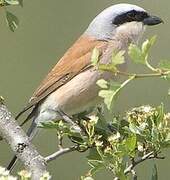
(79, 117)
(69, 120)
(60, 141)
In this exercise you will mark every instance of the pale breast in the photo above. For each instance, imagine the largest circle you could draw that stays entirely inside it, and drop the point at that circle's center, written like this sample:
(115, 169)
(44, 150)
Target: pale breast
(81, 92)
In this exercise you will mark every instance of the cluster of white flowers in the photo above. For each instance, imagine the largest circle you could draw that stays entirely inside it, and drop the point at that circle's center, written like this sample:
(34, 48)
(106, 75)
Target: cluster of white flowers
(4, 174)
(46, 176)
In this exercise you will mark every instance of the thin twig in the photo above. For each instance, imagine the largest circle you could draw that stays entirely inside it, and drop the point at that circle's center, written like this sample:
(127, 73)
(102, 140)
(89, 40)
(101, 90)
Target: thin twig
(158, 73)
(144, 75)
(60, 152)
(60, 141)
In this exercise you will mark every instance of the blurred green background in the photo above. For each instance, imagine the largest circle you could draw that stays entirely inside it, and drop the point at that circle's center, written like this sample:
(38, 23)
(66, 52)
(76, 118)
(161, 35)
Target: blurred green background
(47, 29)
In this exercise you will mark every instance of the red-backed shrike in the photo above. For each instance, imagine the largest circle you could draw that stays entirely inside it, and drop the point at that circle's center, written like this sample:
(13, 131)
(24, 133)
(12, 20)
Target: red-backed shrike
(70, 87)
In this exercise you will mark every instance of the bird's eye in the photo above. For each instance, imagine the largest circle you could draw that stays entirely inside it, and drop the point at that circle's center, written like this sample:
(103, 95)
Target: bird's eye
(144, 15)
(141, 16)
(131, 14)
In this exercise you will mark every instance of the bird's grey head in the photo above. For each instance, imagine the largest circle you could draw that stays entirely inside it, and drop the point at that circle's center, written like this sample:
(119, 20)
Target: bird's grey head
(121, 18)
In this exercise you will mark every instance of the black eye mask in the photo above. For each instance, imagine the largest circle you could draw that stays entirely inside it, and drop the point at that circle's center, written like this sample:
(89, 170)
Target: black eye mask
(130, 16)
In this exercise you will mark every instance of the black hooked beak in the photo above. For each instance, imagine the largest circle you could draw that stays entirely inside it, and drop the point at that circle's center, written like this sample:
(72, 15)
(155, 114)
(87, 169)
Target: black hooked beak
(152, 20)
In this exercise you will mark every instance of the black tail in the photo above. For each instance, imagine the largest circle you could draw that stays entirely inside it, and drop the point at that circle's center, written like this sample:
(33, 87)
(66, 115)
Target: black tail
(12, 163)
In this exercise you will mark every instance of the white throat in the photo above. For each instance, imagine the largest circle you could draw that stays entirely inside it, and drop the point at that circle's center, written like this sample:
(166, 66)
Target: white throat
(130, 32)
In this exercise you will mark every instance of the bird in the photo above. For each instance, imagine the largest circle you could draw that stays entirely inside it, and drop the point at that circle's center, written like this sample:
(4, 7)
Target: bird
(70, 87)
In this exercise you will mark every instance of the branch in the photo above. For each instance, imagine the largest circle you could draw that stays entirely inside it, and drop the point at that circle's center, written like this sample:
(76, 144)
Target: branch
(159, 74)
(130, 168)
(20, 144)
(60, 152)
(135, 163)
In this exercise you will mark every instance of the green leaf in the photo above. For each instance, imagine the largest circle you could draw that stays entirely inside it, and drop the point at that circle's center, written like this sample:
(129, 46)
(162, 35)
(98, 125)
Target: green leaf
(12, 21)
(12, 2)
(160, 116)
(147, 45)
(109, 94)
(141, 55)
(164, 64)
(131, 142)
(102, 83)
(153, 40)
(154, 173)
(136, 54)
(118, 58)
(95, 56)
